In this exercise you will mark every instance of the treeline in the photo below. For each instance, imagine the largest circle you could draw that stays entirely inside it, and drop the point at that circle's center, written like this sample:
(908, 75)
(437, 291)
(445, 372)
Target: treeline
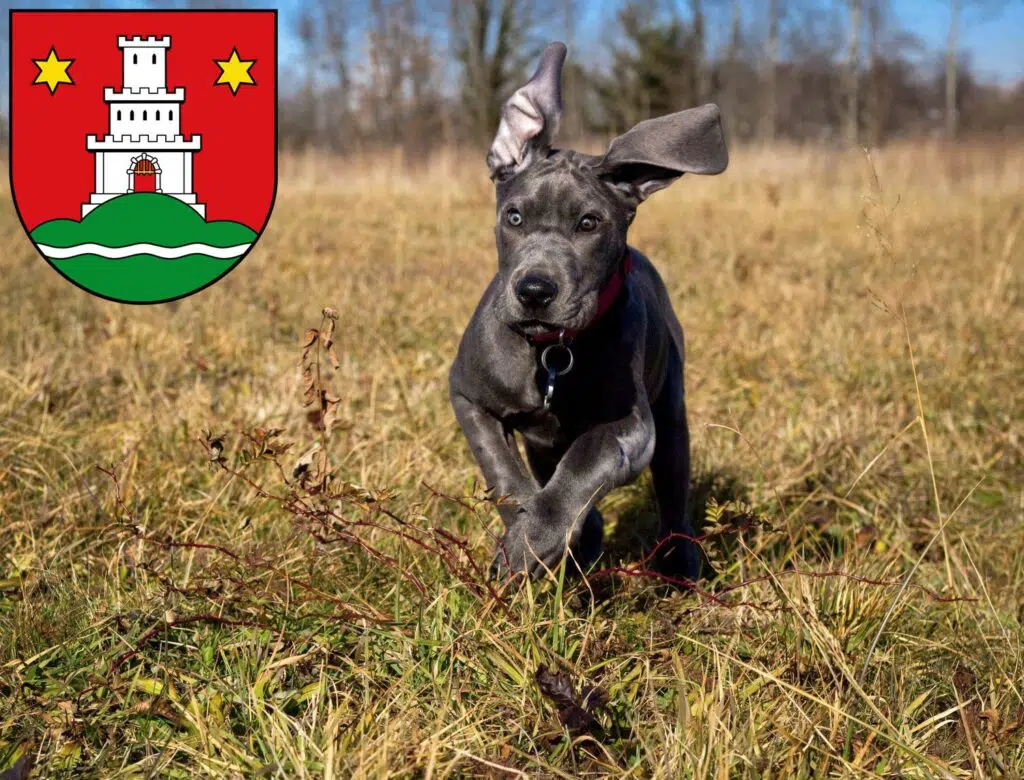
(418, 74)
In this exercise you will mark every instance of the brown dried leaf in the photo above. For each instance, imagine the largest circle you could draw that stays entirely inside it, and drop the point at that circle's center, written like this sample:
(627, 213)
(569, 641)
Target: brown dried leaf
(157, 708)
(1010, 728)
(991, 716)
(330, 412)
(335, 363)
(964, 680)
(574, 712)
(327, 333)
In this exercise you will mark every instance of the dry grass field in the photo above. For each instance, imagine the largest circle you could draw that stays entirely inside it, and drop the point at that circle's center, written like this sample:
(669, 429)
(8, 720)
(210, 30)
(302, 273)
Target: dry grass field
(184, 595)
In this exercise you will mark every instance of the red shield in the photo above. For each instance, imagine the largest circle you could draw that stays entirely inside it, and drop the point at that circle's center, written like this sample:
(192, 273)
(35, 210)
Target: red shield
(143, 144)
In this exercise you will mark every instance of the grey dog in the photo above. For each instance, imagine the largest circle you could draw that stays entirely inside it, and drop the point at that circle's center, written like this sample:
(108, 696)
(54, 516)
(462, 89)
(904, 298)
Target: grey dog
(574, 345)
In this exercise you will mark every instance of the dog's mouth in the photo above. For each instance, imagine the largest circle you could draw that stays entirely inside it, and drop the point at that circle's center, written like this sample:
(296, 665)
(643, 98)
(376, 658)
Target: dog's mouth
(571, 319)
(531, 327)
(536, 327)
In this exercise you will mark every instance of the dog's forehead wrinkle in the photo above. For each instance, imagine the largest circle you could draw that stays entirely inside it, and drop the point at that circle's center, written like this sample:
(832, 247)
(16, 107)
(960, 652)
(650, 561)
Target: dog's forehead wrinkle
(558, 190)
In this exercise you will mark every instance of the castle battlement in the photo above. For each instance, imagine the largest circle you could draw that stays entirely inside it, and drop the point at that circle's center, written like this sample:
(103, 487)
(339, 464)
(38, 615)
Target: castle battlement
(150, 94)
(152, 42)
(128, 142)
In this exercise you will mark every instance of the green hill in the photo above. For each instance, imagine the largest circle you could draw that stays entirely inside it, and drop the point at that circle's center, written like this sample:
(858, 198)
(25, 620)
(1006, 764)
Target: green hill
(142, 217)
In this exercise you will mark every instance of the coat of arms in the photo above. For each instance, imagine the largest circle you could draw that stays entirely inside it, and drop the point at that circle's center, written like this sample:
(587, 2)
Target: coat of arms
(143, 144)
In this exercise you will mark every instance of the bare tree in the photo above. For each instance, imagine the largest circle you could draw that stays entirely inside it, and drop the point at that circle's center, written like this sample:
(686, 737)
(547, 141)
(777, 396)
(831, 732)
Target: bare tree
(334, 44)
(573, 75)
(730, 70)
(653, 68)
(300, 121)
(318, 110)
(876, 14)
(399, 97)
(958, 11)
(491, 41)
(951, 55)
(851, 120)
(698, 45)
(770, 110)
(382, 95)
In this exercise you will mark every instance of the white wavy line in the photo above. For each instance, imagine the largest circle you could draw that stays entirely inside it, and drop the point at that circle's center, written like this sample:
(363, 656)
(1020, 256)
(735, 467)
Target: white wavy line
(163, 252)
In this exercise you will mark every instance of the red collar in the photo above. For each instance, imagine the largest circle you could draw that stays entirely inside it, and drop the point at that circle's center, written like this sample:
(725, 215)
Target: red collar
(605, 298)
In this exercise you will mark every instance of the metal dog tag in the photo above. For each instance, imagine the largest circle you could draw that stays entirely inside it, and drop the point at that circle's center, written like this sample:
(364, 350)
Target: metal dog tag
(553, 373)
(551, 388)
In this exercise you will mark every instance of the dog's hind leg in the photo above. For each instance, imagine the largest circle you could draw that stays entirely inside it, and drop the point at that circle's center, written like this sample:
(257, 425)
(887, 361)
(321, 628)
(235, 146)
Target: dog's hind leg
(678, 556)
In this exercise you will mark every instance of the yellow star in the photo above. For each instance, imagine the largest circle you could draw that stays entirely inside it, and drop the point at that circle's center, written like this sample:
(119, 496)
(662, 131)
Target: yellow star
(53, 71)
(234, 72)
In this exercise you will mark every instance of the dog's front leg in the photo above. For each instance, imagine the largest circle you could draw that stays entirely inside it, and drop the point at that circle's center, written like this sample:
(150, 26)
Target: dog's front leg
(495, 451)
(601, 459)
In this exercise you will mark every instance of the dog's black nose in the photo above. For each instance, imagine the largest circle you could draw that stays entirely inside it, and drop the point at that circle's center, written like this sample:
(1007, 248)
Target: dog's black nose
(536, 292)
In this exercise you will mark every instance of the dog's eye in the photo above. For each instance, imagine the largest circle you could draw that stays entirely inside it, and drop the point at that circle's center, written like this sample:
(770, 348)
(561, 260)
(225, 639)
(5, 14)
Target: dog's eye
(588, 224)
(513, 217)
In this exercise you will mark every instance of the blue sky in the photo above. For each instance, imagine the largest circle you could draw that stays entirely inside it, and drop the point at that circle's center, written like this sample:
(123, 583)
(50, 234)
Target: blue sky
(992, 33)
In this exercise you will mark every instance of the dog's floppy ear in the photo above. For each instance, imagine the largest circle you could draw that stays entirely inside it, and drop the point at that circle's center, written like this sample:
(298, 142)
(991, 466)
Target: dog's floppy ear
(658, 151)
(529, 119)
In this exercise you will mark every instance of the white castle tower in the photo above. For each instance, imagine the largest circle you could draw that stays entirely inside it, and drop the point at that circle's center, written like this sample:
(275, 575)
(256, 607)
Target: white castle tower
(144, 150)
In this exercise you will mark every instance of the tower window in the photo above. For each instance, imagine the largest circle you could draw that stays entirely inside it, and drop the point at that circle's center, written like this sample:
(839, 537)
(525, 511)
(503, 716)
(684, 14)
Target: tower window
(157, 116)
(119, 115)
(154, 59)
(170, 115)
(144, 117)
(131, 116)
(135, 59)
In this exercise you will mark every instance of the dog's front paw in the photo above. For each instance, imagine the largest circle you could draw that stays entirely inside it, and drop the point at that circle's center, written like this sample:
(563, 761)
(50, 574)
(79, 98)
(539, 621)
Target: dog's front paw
(526, 548)
(536, 540)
